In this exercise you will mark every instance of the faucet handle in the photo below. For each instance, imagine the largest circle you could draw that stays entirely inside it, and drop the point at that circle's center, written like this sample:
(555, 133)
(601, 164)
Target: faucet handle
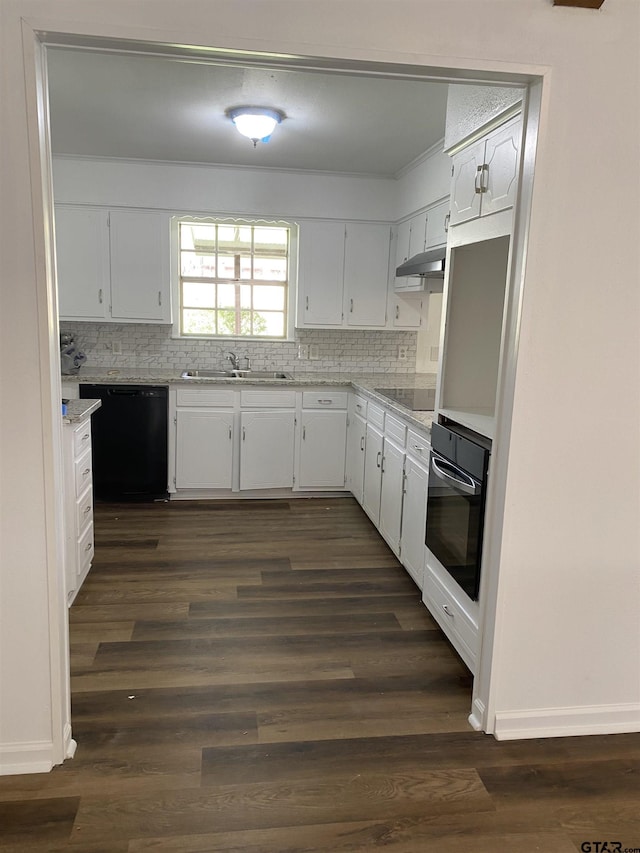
(248, 360)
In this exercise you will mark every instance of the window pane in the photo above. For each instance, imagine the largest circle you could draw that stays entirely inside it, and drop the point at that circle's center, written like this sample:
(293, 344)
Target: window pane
(227, 296)
(226, 266)
(234, 238)
(198, 237)
(196, 322)
(245, 266)
(268, 323)
(245, 295)
(194, 264)
(268, 297)
(270, 269)
(270, 240)
(227, 322)
(197, 294)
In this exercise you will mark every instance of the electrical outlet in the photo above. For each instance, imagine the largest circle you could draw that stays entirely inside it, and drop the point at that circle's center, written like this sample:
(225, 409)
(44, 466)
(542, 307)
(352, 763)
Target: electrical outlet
(313, 352)
(303, 351)
(402, 353)
(116, 347)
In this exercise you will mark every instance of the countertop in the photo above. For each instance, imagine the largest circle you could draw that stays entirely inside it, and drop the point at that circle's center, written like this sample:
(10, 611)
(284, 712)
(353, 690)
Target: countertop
(364, 383)
(78, 410)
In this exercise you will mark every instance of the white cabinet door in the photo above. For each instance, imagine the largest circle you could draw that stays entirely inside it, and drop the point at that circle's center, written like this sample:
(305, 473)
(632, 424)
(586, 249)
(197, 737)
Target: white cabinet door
(391, 494)
(82, 260)
(140, 274)
(414, 519)
(407, 312)
(356, 442)
(372, 473)
(320, 274)
(366, 265)
(266, 449)
(418, 235)
(204, 449)
(322, 450)
(502, 157)
(465, 183)
(437, 225)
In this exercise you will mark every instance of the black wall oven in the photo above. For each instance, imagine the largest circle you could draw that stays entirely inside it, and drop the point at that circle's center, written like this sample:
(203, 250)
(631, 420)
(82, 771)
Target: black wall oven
(456, 500)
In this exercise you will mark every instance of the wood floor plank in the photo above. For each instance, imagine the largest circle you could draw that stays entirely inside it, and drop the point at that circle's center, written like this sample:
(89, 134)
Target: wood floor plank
(263, 676)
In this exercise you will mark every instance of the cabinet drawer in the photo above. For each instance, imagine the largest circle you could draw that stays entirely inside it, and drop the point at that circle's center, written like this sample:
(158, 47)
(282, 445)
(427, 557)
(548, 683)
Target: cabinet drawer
(205, 397)
(82, 472)
(451, 615)
(323, 400)
(418, 445)
(395, 430)
(85, 549)
(81, 438)
(375, 415)
(268, 399)
(84, 510)
(358, 405)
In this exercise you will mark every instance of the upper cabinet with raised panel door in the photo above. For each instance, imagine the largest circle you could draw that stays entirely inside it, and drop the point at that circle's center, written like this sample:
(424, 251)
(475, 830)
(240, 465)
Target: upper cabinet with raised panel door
(342, 280)
(485, 174)
(113, 265)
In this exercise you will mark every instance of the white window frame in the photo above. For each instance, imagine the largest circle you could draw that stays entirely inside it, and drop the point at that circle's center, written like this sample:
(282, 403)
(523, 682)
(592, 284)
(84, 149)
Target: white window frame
(205, 218)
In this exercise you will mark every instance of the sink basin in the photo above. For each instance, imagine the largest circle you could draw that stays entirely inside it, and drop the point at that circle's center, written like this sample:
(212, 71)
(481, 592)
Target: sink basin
(249, 375)
(206, 374)
(261, 374)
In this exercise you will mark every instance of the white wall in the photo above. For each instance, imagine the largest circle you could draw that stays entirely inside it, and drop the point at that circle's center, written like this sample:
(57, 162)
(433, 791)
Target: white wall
(567, 630)
(180, 186)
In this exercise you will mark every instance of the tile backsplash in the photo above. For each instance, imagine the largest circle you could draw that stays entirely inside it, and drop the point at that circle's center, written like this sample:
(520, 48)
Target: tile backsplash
(143, 345)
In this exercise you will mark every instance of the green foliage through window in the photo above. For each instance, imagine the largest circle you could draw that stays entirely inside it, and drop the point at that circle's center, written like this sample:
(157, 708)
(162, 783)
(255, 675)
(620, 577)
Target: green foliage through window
(233, 279)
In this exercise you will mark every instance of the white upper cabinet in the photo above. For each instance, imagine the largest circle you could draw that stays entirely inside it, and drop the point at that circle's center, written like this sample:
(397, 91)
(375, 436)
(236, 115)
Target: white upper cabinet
(485, 174)
(366, 261)
(82, 252)
(321, 274)
(140, 274)
(113, 265)
(342, 281)
(437, 225)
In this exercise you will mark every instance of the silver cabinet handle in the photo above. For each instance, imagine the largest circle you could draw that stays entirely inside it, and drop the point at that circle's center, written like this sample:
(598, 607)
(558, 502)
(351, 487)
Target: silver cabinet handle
(87, 509)
(230, 436)
(404, 484)
(351, 306)
(362, 443)
(418, 448)
(325, 402)
(359, 407)
(478, 183)
(397, 312)
(306, 303)
(378, 458)
(87, 547)
(243, 433)
(100, 296)
(86, 471)
(159, 297)
(382, 466)
(446, 223)
(304, 433)
(445, 607)
(85, 437)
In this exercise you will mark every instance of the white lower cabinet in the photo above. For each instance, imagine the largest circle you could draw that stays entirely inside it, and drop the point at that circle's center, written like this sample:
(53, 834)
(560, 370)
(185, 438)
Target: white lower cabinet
(78, 505)
(391, 494)
(414, 518)
(372, 486)
(456, 614)
(323, 438)
(266, 449)
(204, 449)
(356, 442)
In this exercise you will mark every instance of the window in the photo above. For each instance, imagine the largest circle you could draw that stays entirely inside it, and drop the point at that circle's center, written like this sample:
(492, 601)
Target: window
(234, 278)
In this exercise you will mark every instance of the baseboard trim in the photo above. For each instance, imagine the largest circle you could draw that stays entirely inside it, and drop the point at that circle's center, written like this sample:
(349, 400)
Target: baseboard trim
(28, 757)
(477, 715)
(567, 722)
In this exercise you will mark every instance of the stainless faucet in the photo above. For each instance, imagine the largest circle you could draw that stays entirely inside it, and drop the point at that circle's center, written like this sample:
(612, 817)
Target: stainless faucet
(234, 359)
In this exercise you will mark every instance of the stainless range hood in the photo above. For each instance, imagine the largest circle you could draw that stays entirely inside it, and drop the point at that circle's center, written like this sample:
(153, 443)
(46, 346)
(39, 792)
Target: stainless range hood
(426, 265)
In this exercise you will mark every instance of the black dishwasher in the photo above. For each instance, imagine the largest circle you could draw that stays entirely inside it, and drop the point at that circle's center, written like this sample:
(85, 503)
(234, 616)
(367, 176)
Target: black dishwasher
(129, 441)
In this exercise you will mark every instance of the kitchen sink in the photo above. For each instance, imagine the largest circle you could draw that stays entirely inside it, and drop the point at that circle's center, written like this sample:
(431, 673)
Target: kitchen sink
(249, 375)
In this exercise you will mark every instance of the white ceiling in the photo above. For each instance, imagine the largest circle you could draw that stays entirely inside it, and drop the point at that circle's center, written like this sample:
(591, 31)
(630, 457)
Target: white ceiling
(161, 108)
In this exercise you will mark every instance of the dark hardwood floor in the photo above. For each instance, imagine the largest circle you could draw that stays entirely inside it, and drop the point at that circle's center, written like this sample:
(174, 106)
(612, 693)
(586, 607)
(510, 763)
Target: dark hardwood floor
(261, 677)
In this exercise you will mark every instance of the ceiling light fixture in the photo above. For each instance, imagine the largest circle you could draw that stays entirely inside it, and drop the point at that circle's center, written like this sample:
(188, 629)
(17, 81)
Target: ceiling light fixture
(256, 123)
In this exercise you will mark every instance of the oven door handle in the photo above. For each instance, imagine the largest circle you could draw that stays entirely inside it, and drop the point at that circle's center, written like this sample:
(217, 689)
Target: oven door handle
(468, 486)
